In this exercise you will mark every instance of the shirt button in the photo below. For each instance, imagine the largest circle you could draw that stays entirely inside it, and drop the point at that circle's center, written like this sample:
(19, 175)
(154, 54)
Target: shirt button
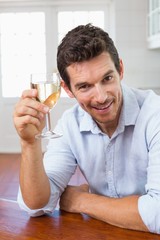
(109, 173)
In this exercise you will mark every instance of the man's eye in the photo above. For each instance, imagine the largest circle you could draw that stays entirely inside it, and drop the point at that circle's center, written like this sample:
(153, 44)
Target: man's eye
(84, 87)
(108, 78)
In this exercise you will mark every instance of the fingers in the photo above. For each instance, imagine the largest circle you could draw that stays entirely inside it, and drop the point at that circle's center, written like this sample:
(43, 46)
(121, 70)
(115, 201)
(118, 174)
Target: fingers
(25, 115)
(30, 107)
(29, 115)
(71, 198)
(84, 187)
(20, 122)
(31, 93)
(28, 99)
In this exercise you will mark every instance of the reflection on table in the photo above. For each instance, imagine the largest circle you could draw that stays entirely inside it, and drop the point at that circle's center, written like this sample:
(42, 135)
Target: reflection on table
(16, 224)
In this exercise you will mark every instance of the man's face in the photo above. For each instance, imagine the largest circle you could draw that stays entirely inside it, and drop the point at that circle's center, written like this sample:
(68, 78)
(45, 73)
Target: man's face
(96, 86)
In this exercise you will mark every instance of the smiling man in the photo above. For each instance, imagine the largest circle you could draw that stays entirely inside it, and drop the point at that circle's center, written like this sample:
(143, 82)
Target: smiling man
(96, 86)
(112, 134)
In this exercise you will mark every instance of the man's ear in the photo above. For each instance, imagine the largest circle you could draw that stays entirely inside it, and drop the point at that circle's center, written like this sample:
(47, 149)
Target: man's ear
(67, 90)
(121, 69)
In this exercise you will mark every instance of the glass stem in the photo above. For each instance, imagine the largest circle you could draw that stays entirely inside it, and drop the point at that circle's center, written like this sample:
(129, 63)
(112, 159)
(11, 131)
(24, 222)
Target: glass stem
(48, 122)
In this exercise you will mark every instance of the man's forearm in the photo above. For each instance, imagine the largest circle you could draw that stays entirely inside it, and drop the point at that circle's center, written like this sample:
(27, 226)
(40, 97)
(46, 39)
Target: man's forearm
(34, 182)
(119, 212)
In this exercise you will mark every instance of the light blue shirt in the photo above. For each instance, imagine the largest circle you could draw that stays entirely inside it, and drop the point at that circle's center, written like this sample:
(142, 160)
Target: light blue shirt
(128, 163)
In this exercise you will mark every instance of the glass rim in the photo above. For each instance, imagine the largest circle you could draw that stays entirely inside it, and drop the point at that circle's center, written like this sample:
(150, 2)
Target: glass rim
(44, 76)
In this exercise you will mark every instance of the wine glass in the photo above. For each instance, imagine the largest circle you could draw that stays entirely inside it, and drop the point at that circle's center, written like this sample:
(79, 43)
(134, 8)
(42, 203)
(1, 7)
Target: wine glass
(49, 88)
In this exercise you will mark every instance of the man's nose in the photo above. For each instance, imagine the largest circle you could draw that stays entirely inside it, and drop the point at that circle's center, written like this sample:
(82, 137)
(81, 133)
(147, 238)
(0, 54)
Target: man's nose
(100, 94)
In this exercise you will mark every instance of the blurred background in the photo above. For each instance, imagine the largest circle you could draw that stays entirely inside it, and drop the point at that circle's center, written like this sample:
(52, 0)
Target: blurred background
(30, 32)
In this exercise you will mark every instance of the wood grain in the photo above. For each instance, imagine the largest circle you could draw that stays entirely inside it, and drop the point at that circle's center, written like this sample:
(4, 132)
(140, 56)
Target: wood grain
(9, 176)
(16, 224)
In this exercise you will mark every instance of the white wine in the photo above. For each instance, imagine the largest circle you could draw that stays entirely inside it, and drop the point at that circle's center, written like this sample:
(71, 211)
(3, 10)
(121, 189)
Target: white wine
(48, 93)
(48, 86)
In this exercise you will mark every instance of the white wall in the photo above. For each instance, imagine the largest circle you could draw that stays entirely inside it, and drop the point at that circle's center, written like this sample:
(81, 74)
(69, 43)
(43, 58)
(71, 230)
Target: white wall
(142, 66)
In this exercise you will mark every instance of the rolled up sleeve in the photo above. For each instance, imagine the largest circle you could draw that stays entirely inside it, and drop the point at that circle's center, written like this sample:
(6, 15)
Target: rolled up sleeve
(49, 208)
(149, 204)
(149, 209)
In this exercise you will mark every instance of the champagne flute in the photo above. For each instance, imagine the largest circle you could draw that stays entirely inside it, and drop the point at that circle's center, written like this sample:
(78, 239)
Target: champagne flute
(48, 87)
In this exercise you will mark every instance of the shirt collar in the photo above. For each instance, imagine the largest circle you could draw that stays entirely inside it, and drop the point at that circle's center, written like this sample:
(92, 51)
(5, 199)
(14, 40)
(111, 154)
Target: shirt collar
(87, 123)
(128, 116)
(130, 108)
(129, 112)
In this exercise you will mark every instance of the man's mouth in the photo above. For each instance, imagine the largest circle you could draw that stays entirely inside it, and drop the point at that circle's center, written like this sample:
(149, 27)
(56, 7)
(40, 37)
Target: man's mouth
(103, 107)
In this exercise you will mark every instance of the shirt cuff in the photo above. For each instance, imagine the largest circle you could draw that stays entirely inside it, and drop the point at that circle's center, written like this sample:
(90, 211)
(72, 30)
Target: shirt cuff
(49, 208)
(149, 210)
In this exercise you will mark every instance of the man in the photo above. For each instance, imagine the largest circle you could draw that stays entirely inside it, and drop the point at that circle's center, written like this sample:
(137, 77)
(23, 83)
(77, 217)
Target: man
(112, 134)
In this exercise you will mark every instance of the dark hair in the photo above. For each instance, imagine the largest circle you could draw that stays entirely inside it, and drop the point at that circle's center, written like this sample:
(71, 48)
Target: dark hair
(84, 43)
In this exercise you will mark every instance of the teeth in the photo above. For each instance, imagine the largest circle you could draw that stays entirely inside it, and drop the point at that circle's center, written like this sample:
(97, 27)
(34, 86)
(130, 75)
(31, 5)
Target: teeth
(100, 108)
(104, 107)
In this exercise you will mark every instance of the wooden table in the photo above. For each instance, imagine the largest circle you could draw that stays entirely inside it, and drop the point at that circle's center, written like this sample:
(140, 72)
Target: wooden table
(16, 224)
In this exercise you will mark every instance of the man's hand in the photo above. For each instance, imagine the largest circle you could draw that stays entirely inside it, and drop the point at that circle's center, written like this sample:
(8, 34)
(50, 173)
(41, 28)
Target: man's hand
(29, 115)
(71, 198)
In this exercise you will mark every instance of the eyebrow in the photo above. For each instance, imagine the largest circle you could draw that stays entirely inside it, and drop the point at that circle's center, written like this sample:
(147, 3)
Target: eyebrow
(80, 84)
(107, 73)
(83, 83)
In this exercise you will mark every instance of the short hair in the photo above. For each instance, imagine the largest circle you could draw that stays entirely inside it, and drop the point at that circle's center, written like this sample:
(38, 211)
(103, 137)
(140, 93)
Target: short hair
(83, 43)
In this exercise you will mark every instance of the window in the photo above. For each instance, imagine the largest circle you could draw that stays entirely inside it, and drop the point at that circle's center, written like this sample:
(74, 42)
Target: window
(22, 49)
(154, 24)
(29, 36)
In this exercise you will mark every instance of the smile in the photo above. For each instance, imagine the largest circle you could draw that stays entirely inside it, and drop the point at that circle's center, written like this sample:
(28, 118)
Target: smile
(103, 107)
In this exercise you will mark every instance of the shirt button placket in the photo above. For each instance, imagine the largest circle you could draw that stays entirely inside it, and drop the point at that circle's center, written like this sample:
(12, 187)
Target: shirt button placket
(110, 170)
